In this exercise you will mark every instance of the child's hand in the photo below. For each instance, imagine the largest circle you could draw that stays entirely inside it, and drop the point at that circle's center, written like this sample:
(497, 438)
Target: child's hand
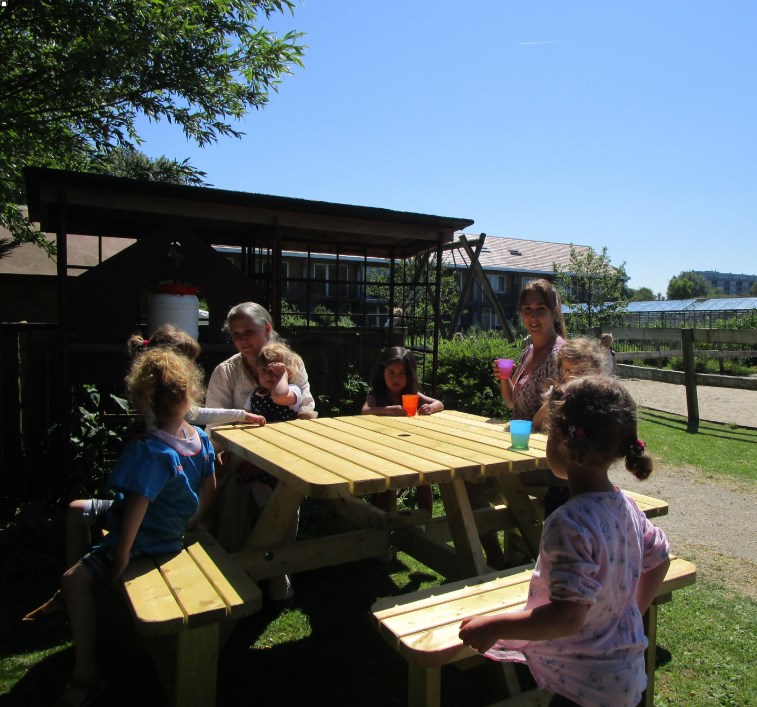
(277, 369)
(479, 633)
(424, 409)
(254, 419)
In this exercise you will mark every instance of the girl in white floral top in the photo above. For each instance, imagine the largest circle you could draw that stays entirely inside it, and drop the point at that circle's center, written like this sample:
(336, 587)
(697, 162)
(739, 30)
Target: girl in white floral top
(600, 564)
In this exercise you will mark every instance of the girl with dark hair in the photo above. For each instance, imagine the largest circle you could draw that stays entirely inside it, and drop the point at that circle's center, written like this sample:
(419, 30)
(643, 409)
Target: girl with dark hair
(600, 564)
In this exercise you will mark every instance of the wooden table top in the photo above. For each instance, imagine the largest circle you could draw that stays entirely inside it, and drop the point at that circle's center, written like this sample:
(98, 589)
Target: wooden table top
(361, 454)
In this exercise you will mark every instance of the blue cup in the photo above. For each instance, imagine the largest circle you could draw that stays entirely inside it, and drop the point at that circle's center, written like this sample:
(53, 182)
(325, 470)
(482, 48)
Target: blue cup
(520, 431)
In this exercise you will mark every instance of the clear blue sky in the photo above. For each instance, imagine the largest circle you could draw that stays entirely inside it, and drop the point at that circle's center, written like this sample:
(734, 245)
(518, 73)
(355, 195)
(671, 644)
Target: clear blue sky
(630, 125)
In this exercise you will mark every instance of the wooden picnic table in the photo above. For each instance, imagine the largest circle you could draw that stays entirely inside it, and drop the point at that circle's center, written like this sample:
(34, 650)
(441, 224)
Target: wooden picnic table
(343, 459)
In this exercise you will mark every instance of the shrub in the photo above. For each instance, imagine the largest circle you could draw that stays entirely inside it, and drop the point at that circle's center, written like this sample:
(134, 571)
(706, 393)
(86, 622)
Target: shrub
(465, 380)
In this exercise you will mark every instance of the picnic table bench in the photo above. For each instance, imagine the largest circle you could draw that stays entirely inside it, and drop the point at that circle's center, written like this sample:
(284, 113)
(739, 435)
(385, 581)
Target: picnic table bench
(179, 603)
(423, 627)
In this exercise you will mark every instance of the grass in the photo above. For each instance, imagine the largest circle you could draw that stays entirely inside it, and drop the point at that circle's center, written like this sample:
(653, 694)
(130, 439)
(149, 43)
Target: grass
(718, 449)
(326, 643)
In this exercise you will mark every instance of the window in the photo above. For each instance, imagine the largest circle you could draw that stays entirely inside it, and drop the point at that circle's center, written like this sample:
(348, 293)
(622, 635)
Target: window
(497, 282)
(263, 267)
(488, 318)
(325, 280)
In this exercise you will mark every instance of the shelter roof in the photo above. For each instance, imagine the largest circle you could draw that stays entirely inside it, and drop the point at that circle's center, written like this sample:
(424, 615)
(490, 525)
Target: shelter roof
(127, 208)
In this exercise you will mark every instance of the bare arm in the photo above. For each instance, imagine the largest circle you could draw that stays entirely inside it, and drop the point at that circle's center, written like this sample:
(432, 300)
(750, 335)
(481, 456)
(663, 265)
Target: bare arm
(281, 394)
(553, 620)
(428, 406)
(134, 513)
(649, 584)
(207, 490)
(371, 408)
(540, 418)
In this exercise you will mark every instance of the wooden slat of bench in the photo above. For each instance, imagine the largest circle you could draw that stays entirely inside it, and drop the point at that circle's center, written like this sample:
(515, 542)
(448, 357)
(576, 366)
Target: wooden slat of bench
(239, 593)
(650, 506)
(419, 630)
(155, 609)
(196, 596)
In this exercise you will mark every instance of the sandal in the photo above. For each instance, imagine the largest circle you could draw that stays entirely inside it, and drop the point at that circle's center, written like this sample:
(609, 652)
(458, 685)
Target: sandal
(52, 606)
(91, 692)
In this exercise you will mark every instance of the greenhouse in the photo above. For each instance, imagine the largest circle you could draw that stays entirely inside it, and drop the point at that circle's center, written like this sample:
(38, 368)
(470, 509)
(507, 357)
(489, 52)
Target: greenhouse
(685, 313)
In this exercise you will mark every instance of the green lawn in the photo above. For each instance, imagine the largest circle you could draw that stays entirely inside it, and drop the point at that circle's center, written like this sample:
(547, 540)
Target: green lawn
(715, 448)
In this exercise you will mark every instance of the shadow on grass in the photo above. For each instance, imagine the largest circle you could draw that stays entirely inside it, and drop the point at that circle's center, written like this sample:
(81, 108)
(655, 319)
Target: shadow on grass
(705, 429)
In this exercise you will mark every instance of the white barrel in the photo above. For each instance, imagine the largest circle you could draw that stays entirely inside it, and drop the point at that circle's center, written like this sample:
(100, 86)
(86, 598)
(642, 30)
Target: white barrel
(173, 304)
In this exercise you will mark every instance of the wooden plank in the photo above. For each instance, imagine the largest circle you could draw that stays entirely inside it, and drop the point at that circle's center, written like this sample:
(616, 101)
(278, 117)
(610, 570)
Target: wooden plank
(196, 667)
(518, 501)
(274, 560)
(357, 464)
(462, 526)
(651, 507)
(400, 469)
(195, 595)
(425, 435)
(240, 594)
(298, 472)
(155, 609)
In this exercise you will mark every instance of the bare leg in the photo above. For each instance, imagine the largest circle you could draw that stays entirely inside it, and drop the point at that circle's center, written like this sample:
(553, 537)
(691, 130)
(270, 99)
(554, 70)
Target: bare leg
(78, 536)
(77, 591)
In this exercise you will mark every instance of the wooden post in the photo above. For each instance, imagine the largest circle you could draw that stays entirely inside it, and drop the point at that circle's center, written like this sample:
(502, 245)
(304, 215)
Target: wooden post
(690, 378)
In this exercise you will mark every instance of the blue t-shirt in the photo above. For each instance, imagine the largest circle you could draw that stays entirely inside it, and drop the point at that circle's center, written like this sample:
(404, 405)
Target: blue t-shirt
(170, 480)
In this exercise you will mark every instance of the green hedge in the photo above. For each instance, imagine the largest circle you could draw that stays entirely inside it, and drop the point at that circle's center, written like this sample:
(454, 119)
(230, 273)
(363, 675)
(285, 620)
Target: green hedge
(464, 378)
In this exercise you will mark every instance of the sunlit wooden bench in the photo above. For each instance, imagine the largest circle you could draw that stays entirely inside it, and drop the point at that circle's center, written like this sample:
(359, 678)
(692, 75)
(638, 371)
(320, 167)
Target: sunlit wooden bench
(423, 627)
(651, 507)
(179, 603)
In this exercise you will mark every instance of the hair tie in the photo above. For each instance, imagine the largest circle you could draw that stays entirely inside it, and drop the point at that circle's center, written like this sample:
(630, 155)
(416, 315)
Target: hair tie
(145, 342)
(637, 446)
(576, 432)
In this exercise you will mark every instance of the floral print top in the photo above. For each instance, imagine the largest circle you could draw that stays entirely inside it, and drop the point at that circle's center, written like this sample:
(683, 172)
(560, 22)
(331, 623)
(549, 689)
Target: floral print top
(593, 551)
(528, 388)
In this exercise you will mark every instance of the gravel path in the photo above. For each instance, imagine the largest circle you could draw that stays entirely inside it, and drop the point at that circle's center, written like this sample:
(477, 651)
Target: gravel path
(711, 520)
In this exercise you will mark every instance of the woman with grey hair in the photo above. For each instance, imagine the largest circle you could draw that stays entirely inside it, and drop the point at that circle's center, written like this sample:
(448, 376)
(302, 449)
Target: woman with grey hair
(241, 496)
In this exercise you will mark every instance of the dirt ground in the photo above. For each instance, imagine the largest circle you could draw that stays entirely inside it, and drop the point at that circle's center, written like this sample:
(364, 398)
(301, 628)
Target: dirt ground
(710, 521)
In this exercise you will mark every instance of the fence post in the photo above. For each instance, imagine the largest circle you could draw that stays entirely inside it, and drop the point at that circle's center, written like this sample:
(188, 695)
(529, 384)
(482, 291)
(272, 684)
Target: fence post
(690, 378)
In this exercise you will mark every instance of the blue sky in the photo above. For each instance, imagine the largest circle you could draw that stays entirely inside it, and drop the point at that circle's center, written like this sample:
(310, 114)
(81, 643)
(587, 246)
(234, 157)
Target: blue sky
(630, 125)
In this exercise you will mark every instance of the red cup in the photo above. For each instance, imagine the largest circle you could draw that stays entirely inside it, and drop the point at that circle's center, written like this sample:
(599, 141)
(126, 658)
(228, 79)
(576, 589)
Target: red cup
(505, 366)
(410, 404)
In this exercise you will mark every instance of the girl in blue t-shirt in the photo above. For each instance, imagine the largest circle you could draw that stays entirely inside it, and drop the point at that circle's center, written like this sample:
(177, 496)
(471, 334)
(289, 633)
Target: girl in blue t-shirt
(164, 481)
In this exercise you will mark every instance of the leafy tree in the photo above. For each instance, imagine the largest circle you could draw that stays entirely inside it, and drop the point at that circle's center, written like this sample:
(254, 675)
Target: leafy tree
(593, 286)
(128, 162)
(642, 294)
(688, 284)
(76, 74)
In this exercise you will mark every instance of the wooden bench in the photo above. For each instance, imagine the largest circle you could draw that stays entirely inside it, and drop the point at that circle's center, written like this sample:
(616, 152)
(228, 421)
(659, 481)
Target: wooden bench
(179, 602)
(651, 507)
(423, 627)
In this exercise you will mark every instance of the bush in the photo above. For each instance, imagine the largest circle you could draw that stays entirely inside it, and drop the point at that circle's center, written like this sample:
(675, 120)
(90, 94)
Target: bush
(465, 380)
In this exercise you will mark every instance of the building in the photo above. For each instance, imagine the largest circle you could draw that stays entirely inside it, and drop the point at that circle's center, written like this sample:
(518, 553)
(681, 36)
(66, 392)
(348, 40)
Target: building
(508, 264)
(729, 283)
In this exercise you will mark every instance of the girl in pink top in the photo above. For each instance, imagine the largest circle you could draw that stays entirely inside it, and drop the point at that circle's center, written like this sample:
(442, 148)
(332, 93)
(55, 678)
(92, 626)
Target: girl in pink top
(600, 563)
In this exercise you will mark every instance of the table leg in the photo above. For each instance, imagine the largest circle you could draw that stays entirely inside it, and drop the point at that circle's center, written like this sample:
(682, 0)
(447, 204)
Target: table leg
(462, 526)
(518, 501)
(277, 517)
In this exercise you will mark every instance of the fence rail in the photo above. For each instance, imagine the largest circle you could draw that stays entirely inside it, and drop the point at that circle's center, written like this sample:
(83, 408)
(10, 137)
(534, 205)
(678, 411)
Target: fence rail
(688, 377)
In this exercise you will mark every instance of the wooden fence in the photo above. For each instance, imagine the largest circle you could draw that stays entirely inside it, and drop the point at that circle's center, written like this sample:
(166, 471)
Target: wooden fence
(694, 343)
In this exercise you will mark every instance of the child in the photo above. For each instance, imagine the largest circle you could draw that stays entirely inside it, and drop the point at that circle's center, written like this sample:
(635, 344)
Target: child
(610, 359)
(276, 399)
(86, 517)
(396, 375)
(581, 356)
(600, 562)
(165, 481)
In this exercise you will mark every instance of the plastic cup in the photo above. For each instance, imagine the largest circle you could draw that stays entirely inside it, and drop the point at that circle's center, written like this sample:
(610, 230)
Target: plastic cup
(520, 431)
(505, 366)
(410, 404)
